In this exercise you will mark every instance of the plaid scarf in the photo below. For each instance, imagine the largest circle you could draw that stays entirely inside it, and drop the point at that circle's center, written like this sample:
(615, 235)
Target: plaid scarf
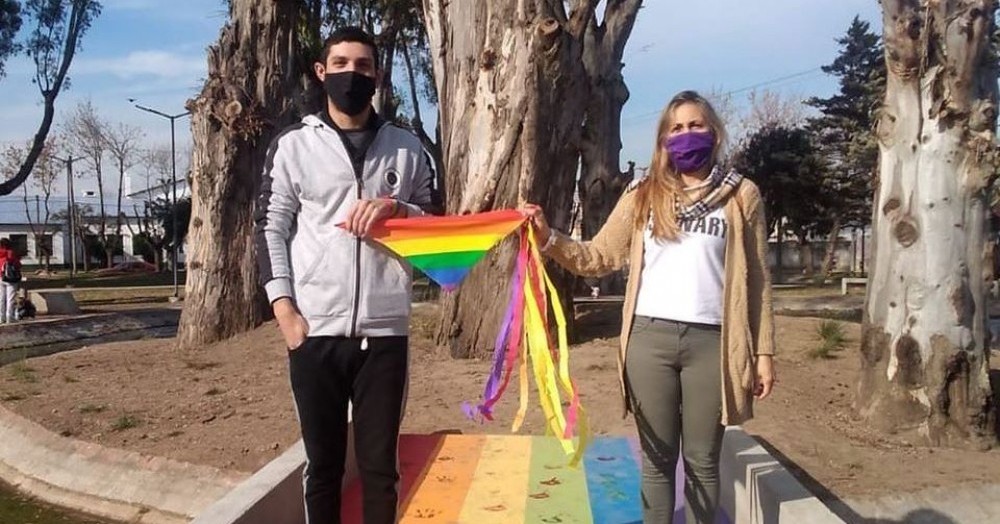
(720, 185)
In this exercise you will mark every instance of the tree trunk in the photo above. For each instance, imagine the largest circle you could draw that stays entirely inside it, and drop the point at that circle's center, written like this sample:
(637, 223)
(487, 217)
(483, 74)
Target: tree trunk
(247, 99)
(84, 251)
(779, 270)
(601, 179)
(434, 148)
(512, 91)
(805, 253)
(384, 101)
(831, 250)
(103, 226)
(924, 354)
(119, 241)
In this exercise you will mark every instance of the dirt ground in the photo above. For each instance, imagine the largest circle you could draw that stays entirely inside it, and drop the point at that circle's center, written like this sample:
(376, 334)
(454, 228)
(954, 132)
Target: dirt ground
(230, 405)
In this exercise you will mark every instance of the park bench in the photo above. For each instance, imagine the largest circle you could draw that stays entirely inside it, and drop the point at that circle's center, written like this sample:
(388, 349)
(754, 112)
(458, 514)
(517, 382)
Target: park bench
(846, 281)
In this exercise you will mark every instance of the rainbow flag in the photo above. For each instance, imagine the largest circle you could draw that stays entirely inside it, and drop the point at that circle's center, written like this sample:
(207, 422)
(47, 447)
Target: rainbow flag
(445, 248)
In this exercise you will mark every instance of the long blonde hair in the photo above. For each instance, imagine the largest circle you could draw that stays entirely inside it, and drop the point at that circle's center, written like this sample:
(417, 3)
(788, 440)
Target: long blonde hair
(656, 195)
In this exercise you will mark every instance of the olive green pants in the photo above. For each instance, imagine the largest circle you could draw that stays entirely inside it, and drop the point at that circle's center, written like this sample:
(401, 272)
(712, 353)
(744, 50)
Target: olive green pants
(672, 372)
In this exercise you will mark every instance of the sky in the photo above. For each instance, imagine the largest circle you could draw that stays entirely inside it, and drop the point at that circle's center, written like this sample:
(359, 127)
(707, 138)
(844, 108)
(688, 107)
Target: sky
(154, 51)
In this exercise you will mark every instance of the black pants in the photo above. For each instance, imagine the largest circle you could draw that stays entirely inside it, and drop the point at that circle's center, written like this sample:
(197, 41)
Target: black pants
(326, 373)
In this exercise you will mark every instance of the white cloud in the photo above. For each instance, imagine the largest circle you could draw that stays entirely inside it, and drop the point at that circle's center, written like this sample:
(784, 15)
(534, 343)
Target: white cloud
(151, 63)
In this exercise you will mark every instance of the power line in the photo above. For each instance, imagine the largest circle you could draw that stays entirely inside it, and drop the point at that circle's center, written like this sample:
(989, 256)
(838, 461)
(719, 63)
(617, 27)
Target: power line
(643, 116)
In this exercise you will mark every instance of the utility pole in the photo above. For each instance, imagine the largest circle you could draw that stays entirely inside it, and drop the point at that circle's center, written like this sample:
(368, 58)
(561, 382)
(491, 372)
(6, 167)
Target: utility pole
(70, 211)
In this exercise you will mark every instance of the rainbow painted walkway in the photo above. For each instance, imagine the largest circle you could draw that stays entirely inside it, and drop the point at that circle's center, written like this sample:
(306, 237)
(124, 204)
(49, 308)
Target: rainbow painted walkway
(486, 479)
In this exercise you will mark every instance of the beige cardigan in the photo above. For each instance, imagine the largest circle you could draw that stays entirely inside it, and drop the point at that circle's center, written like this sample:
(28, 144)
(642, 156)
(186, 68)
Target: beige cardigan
(748, 320)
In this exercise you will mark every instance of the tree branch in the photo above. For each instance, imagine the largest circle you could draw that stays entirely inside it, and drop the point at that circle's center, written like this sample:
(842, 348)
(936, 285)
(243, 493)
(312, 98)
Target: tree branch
(580, 16)
(619, 18)
(75, 28)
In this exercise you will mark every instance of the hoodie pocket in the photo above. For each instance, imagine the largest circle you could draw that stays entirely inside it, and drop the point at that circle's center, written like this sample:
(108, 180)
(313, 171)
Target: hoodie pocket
(325, 287)
(387, 295)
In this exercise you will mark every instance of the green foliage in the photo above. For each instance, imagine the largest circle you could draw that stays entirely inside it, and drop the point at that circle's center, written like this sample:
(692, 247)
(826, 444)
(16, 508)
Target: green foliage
(125, 422)
(93, 408)
(21, 371)
(10, 24)
(845, 131)
(785, 165)
(832, 338)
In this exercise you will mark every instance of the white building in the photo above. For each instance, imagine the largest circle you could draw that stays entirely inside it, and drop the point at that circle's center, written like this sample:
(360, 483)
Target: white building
(32, 240)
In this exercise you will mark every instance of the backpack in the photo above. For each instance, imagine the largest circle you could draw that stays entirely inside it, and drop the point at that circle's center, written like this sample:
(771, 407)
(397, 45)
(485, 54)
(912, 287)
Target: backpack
(10, 272)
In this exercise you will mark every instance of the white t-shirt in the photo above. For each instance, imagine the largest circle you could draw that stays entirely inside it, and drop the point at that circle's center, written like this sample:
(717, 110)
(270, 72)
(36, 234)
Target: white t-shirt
(682, 280)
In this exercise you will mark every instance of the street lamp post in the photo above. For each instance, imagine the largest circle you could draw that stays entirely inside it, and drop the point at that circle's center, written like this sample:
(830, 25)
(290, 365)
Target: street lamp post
(173, 182)
(70, 211)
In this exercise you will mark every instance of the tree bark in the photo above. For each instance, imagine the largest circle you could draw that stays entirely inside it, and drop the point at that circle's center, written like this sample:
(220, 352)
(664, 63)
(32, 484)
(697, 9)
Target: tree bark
(831, 249)
(247, 99)
(512, 91)
(384, 103)
(601, 178)
(924, 347)
(805, 253)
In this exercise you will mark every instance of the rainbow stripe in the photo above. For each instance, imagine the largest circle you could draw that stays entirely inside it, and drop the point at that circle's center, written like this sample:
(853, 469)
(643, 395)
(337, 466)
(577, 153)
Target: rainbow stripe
(446, 248)
(492, 479)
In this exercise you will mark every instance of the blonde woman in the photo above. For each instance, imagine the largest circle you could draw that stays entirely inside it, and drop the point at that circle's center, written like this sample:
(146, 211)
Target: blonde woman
(697, 335)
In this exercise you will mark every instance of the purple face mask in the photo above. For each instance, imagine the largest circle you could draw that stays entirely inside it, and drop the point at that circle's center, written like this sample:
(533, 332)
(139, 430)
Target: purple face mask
(690, 151)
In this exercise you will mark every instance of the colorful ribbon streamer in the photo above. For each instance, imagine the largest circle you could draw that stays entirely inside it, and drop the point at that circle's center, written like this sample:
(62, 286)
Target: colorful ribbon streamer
(446, 248)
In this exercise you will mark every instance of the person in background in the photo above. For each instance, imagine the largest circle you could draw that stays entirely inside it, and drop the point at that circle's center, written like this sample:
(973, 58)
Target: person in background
(10, 280)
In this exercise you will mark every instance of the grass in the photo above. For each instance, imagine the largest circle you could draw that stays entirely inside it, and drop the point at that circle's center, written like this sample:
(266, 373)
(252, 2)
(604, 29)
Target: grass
(21, 371)
(215, 391)
(832, 338)
(93, 408)
(11, 397)
(69, 379)
(125, 422)
(200, 366)
(17, 507)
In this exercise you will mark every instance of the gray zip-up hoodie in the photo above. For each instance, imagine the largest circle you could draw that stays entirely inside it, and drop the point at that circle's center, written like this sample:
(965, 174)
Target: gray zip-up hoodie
(343, 285)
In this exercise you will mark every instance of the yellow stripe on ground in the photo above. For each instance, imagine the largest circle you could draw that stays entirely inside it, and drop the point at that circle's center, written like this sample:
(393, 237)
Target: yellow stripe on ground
(499, 490)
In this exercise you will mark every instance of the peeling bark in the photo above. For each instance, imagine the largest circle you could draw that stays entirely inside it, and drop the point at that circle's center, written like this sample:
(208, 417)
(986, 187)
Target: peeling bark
(925, 348)
(247, 99)
(512, 93)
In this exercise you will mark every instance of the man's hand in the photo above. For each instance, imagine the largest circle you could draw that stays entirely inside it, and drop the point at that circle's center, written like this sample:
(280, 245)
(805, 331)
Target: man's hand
(294, 327)
(367, 213)
(763, 376)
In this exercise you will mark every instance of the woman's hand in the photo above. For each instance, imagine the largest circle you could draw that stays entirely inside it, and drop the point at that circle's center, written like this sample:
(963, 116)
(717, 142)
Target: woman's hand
(537, 216)
(763, 376)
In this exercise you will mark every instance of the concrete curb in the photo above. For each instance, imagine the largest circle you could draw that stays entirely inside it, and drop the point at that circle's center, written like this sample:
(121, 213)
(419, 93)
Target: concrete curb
(757, 489)
(105, 482)
(273, 495)
(270, 495)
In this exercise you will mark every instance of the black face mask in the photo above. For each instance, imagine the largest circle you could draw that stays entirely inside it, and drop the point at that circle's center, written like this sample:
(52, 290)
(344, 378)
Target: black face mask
(351, 92)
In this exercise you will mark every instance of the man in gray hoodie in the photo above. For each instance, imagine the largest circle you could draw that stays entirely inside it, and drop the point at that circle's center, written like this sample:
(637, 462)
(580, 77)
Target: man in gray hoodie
(342, 302)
